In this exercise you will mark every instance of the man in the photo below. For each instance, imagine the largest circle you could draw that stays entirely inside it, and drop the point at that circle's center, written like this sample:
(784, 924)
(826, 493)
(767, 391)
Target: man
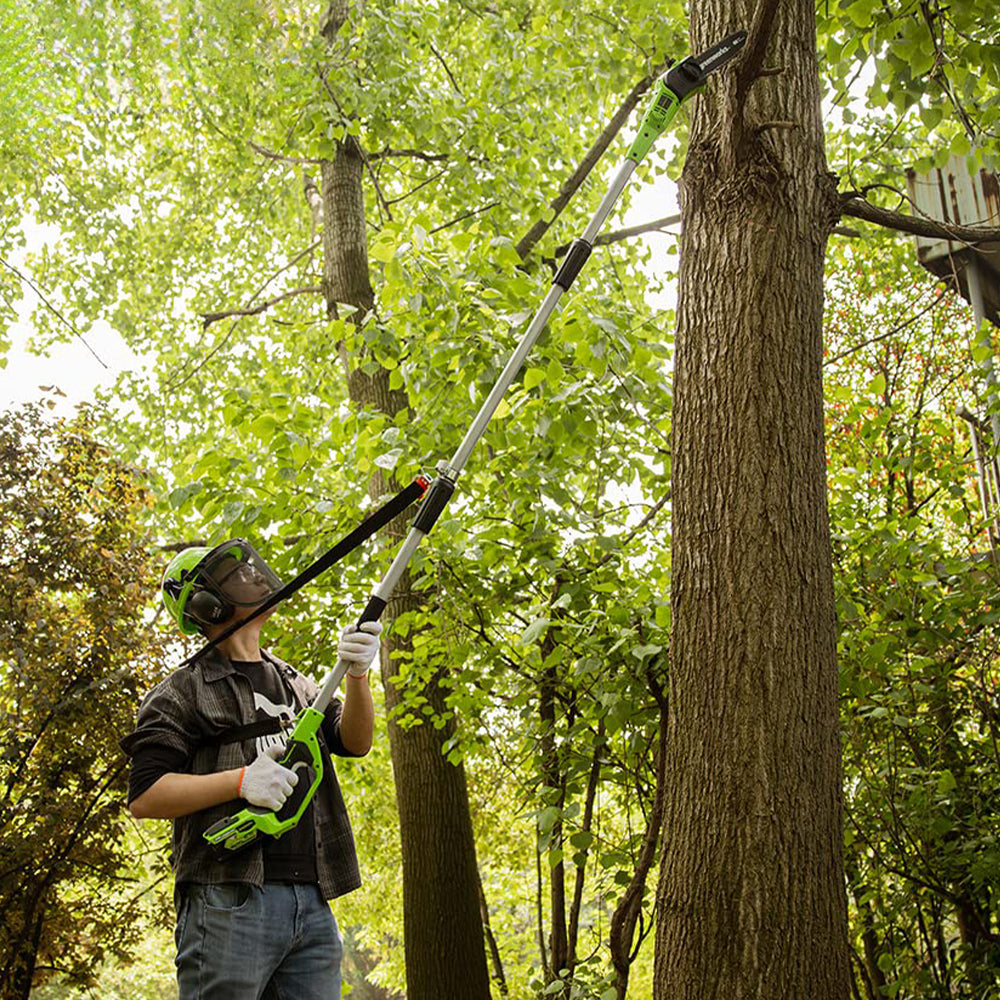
(256, 923)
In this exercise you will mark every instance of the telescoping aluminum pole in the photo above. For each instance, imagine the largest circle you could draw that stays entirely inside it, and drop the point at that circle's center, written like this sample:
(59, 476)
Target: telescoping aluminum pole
(302, 751)
(670, 91)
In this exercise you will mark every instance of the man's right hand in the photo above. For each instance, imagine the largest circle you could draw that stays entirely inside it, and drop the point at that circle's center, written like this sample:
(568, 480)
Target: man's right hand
(265, 782)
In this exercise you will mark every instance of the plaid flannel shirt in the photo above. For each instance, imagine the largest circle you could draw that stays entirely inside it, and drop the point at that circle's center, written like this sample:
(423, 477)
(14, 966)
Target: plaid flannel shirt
(201, 701)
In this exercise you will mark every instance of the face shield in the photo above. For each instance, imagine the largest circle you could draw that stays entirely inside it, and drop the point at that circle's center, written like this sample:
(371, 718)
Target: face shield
(237, 573)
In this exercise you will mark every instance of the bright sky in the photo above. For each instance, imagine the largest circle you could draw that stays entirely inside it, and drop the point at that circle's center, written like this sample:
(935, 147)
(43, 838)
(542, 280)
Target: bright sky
(72, 367)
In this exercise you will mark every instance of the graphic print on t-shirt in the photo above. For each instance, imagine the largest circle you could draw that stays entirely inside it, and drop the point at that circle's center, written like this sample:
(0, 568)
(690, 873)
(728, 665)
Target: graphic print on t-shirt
(267, 709)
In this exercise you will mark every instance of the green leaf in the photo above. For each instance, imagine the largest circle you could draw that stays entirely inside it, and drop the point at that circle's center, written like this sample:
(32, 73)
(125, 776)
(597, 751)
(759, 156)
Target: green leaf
(533, 377)
(931, 117)
(946, 783)
(180, 495)
(534, 631)
(860, 12)
(231, 511)
(961, 145)
(383, 250)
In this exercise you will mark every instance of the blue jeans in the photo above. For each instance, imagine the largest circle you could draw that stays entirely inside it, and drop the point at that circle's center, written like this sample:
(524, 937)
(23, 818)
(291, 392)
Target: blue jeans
(238, 942)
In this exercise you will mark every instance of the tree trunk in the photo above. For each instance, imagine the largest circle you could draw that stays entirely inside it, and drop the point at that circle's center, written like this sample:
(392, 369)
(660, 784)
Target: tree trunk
(629, 909)
(443, 930)
(751, 893)
(553, 778)
(18, 971)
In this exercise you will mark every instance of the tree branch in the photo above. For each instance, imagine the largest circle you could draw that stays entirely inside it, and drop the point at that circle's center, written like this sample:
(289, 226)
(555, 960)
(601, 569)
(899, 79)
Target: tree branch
(596, 151)
(48, 305)
(440, 59)
(464, 216)
(650, 515)
(209, 318)
(623, 234)
(889, 333)
(281, 157)
(415, 154)
(854, 204)
(751, 65)
(374, 177)
(429, 180)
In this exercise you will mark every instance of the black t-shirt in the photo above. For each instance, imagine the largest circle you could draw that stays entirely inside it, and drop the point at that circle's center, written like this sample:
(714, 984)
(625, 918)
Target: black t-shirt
(289, 858)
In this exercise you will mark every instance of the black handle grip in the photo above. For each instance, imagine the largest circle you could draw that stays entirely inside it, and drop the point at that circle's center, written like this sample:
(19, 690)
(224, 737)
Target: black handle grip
(433, 503)
(373, 610)
(297, 759)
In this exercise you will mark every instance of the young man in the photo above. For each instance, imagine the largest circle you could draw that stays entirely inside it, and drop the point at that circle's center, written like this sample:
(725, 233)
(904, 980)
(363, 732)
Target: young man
(255, 924)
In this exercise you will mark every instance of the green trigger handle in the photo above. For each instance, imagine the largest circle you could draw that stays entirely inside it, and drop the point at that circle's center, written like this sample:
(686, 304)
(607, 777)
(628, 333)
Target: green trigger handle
(302, 755)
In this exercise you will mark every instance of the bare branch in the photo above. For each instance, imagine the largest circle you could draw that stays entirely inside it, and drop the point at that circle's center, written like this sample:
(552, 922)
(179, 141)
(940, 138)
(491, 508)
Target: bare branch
(209, 318)
(302, 253)
(853, 203)
(48, 305)
(596, 151)
(750, 67)
(423, 183)
(440, 59)
(888, 333)
(281, 157)
(464, 216)
(371, 173)
(415, 154)
(623, 234)
(641, 526)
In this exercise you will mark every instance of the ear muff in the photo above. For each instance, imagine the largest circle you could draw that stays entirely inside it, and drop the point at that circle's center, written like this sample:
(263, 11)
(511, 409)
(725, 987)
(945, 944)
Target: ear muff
(208, 608)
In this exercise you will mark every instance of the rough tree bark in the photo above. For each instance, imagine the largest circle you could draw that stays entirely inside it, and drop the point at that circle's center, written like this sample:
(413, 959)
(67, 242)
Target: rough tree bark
(751, 894)
(443, 929)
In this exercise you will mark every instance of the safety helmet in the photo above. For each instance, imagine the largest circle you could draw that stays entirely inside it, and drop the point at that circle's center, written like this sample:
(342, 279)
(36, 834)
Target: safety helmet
(204, 586)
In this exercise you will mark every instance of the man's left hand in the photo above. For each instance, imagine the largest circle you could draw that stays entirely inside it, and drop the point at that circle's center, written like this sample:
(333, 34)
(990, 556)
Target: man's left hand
(359, 647)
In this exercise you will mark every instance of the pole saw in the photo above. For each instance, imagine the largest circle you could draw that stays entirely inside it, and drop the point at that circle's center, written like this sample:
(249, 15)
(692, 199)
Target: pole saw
(302, 752)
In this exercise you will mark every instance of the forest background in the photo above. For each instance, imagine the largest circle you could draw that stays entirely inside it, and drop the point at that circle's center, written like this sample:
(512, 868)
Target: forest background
(180, 162)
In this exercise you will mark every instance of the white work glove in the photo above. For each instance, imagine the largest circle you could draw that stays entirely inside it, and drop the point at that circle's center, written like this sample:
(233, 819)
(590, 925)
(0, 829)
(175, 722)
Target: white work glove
(265, 782)
(359, 647)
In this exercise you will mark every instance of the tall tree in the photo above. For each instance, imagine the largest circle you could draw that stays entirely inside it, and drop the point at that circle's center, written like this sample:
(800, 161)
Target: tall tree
(442, 922)
(75, 650)
(751, 885)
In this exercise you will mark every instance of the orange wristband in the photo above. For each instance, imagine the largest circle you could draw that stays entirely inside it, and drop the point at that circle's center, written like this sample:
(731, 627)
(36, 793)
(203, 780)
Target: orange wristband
(239, 784)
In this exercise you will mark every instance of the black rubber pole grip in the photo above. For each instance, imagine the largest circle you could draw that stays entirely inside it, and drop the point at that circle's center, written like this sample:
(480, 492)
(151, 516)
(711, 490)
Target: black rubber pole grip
(437, 497)
(373, 610)
(576, 257)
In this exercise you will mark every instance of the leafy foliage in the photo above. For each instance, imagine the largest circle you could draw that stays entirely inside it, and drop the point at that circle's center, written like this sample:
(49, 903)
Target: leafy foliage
(931, 68)
(918, 646)
(75, 651)
(181, 178)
